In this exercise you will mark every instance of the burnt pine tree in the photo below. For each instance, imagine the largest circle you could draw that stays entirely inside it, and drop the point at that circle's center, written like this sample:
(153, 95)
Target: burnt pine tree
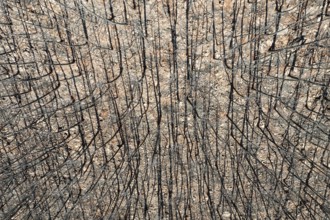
(150, 109)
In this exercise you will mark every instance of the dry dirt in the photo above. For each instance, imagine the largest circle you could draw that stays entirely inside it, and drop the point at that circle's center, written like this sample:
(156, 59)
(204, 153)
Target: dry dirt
(163, 109)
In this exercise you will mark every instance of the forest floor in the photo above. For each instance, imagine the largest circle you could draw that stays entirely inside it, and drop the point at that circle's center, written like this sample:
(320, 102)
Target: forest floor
(164, 109)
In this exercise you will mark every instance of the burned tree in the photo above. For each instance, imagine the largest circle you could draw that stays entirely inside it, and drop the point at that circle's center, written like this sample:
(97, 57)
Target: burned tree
(164, 109)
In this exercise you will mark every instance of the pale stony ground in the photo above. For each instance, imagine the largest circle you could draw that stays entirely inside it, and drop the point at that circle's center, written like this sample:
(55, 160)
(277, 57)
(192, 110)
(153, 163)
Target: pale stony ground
(108, 126)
